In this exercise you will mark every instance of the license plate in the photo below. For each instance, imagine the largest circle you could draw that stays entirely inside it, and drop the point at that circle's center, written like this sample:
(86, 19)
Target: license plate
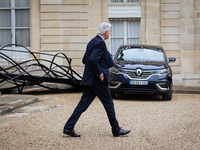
(138, 82)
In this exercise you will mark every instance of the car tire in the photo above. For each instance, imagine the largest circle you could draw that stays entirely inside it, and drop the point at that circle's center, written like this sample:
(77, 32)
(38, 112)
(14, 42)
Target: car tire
(113, 95)
(168, 96)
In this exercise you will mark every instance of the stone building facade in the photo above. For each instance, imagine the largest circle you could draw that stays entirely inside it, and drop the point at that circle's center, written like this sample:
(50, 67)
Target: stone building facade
(67, 26)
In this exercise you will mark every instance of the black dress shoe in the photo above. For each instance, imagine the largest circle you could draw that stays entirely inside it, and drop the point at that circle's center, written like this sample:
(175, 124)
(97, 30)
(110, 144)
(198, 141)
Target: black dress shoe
(71, 133)
(121, 132)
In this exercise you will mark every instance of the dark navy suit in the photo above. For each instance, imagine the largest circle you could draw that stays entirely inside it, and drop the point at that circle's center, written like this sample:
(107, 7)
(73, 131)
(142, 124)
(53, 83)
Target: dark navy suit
(97, 60)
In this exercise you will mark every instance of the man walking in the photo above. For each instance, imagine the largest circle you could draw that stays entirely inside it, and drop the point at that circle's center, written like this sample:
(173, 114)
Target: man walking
(95, 82)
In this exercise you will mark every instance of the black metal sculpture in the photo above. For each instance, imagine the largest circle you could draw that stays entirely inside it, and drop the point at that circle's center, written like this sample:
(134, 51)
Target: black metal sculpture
(25, 73)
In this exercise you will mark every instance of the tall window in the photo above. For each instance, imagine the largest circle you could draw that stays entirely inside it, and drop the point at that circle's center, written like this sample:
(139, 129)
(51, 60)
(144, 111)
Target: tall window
(123, 1)
(124, 32)
(15, 22)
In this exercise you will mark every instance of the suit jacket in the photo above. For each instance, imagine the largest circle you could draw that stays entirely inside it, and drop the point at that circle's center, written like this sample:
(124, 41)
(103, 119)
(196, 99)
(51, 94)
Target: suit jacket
(95, 60)
(110, 61)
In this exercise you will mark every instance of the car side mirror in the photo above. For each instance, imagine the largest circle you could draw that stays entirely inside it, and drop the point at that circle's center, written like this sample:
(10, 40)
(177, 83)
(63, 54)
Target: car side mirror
(172, 59)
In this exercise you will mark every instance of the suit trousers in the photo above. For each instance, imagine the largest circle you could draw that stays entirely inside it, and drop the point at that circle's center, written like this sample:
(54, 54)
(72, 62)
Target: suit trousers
(100, 89)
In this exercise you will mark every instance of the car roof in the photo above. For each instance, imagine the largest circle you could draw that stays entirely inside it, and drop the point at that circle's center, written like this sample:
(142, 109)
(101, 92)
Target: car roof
(147, 46)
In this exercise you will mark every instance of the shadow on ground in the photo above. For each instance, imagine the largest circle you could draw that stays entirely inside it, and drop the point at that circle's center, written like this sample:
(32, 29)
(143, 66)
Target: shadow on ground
(70, 89)
(43, 91)
(136, 97)
(139, 97)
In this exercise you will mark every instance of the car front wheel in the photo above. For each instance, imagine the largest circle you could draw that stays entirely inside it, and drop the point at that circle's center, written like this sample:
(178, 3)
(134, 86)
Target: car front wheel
(113, 95)
(168, 96)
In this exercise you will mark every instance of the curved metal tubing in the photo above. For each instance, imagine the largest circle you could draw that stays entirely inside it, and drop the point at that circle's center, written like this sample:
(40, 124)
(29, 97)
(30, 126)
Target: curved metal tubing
(23, 74)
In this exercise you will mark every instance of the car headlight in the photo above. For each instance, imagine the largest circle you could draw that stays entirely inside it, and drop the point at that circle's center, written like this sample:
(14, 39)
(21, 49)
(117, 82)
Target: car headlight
(114, 70)
(163, 71)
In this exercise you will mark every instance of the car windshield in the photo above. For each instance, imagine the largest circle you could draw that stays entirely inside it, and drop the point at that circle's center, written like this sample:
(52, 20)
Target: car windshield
(140, 54)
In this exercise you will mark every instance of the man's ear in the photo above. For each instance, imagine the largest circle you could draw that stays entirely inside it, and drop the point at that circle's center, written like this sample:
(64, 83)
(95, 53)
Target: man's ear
(106, 33)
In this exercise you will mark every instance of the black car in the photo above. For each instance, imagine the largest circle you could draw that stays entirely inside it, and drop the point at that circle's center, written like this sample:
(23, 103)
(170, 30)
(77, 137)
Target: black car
(141, 69)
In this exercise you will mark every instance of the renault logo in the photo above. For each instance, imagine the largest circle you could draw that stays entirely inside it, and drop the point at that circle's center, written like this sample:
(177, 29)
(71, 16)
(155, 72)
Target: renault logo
(139, 72)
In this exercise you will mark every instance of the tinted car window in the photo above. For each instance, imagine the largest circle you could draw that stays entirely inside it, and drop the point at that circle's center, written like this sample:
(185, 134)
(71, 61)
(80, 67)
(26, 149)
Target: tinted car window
(138, 54)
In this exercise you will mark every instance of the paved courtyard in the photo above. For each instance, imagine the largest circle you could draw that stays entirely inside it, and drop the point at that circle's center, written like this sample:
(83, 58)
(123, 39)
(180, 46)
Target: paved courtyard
(154, 124)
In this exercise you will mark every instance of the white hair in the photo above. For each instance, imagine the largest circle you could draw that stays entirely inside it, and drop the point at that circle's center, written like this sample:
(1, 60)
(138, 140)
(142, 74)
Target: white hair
(103, 27)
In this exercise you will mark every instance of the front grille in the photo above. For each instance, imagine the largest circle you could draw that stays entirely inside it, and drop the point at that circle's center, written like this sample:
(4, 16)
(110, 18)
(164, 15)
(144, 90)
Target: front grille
(132, 74)
(138, 88)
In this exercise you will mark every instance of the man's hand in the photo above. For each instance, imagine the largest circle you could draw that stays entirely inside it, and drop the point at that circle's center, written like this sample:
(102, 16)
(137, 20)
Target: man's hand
(101, 77)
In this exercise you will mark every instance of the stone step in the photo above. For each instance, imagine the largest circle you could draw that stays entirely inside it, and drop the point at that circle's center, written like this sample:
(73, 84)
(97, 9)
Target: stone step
(11, 102)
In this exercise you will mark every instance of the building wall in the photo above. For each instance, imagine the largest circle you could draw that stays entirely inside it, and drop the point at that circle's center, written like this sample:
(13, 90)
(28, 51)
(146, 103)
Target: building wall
(174, 24)
(67, 25)
(35, 25)
(190, 42)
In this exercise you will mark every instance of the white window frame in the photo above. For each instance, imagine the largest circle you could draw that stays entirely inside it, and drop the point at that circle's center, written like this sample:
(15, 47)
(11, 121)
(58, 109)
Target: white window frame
(125, 32)
(125, 11)
(124, 2)
(135, 37)
(13, 27)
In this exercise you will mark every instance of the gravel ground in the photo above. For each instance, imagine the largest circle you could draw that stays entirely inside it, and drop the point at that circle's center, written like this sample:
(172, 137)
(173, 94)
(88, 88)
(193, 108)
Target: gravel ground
(154, 124)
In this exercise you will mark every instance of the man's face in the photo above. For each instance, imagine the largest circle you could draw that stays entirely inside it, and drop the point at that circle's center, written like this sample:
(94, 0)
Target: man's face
(107, 34)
